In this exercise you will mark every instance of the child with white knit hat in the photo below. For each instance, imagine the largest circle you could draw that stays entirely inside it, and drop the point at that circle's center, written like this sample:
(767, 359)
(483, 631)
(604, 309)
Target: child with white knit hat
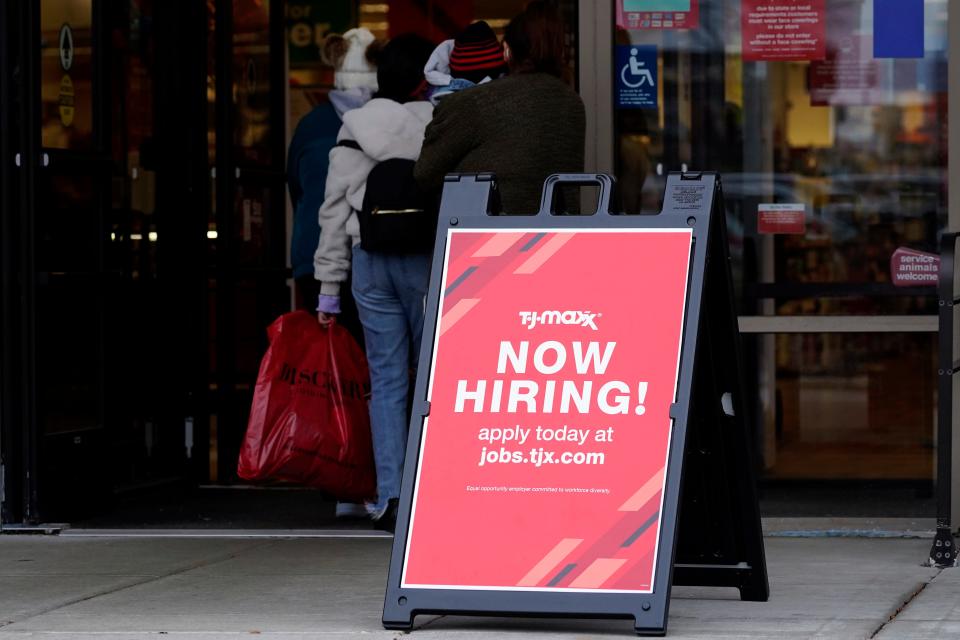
(352, 57)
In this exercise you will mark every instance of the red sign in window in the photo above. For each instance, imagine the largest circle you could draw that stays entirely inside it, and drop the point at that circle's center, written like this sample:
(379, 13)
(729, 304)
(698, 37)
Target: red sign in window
(912, 268)
(781, 218)
(783, 29)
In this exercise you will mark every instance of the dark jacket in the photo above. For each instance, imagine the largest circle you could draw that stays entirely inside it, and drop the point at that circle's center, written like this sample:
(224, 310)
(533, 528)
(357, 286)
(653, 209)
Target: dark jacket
(522, 128)
(306, 176)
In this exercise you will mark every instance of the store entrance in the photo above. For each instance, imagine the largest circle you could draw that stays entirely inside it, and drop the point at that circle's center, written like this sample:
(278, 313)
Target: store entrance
(105, 315)
(143, 245)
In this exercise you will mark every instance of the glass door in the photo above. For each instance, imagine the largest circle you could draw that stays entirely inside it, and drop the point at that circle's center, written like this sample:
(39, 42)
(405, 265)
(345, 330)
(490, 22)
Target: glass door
(100, 342)
(832, 147)
(153, 245)
(248, 287)
(14, 236)
(71, 198)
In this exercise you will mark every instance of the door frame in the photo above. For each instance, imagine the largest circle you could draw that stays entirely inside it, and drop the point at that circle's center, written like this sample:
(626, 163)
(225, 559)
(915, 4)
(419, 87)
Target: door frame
(595, 50)
(20, 158)
(953, 217)
(181, 188)
(26, 445)
(11, 435)
(230, 173)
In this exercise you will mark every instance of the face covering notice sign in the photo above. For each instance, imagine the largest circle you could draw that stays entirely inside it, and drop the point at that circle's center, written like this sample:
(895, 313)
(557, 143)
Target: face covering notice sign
(783, 29)
(543, 460)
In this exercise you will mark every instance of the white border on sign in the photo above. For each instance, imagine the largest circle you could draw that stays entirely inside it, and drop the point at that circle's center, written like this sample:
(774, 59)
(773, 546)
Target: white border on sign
(423, 432)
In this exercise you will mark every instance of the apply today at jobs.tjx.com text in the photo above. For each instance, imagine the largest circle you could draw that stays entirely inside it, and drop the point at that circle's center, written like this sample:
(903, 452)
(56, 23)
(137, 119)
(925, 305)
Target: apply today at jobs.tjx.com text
(548, 358)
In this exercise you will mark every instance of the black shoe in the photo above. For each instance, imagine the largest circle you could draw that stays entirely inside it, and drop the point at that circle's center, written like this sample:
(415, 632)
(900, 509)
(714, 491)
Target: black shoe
(388, 519)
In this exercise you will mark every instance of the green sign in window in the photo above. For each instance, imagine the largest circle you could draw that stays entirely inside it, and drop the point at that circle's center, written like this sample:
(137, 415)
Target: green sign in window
(309, 21)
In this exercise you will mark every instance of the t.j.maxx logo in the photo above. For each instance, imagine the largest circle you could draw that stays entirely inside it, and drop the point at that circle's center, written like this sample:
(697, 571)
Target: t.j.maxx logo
(531, 319)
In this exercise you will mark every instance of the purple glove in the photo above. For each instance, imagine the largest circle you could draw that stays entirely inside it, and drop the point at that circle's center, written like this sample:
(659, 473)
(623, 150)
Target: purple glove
(329, 304)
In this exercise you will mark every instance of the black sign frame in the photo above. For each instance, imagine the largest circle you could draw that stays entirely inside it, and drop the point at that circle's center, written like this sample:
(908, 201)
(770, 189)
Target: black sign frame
(710, 532)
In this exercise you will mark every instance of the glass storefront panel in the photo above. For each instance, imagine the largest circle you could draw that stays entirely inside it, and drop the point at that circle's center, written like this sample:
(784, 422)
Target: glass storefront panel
(853, 407)
(251, 81)
(830, 132)
(309, 21)
(66, 74)
(857, 143)
(133, 231)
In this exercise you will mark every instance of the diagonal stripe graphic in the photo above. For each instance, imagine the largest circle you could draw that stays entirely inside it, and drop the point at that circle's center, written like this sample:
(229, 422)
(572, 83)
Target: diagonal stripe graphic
(544, 253)
(497, 245)
(533, 241)
(639, 532)
(638, 573)
(597, 573)
(455, 314)
(609, 544)
(463, 276)
(647, 491)
(560, 576)
(549, 562)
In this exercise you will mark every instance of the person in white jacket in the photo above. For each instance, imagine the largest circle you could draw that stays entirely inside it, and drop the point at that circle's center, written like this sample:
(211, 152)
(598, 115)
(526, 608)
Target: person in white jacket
(389, 288)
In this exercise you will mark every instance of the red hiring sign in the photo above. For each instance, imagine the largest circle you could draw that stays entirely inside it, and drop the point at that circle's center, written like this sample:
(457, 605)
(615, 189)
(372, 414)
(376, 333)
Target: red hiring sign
(544, 457)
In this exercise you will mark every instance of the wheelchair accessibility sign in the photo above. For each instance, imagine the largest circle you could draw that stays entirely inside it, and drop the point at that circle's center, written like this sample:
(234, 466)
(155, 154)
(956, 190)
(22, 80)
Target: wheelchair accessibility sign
(636, 77)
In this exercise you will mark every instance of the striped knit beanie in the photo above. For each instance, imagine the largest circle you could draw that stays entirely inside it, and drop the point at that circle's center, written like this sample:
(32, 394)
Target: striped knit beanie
(477, 54)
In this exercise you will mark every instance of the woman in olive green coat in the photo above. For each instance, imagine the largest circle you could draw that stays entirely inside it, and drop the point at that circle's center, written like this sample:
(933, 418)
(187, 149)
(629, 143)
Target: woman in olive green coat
(523, 127)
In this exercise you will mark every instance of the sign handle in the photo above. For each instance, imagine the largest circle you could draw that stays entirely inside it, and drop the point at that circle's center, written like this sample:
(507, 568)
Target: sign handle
(605, 182)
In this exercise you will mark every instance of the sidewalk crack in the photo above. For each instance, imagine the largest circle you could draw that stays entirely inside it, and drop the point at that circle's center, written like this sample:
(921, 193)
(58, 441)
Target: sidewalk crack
(424, 625)
(906, 603)
(136, 583)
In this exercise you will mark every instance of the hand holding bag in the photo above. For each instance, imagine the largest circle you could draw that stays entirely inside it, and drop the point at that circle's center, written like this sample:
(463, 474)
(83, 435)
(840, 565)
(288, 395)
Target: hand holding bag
(309, 423)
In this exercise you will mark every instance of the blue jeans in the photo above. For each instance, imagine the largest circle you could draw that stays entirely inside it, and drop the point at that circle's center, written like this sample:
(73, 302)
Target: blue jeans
(390, 291)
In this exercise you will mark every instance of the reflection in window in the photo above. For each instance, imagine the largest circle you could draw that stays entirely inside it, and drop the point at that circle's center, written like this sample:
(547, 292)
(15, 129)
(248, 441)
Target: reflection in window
(859, 141)
(66, 74)
(857, 145)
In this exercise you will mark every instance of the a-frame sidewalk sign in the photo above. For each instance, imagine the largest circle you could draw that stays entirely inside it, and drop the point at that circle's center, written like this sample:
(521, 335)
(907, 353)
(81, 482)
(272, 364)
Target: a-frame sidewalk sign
(580, 439)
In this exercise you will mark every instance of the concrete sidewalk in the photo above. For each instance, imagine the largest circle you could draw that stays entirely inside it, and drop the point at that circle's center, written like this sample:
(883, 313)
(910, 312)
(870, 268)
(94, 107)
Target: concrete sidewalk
(332, 588)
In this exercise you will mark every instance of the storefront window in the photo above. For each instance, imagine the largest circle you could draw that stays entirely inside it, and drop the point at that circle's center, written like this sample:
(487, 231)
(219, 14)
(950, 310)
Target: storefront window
(309, 21)
(828, 124)
(854, 142)
(847, 409)
(66, 80)
(251, 81)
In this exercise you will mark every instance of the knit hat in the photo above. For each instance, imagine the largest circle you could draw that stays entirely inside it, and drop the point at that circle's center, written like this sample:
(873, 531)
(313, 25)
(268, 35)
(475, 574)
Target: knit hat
(351, 55)
(477, 54)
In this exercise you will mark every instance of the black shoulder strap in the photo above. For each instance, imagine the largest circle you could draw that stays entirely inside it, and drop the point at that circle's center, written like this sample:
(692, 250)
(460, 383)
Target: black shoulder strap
(350, 144)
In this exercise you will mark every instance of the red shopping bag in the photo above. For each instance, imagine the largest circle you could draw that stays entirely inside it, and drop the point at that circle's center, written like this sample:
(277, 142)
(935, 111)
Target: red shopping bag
(309, 423)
